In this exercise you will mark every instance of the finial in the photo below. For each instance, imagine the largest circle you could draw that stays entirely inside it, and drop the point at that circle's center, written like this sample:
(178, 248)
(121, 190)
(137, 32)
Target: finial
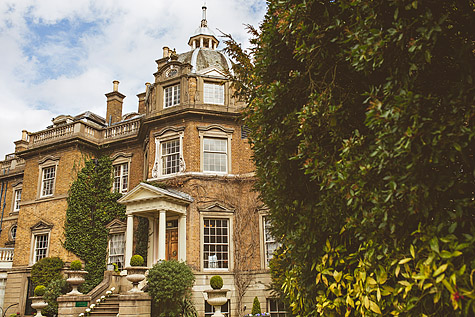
(204, 23)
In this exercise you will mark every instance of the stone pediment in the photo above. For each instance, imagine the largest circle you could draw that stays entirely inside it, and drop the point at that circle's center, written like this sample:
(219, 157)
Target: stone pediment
(41, 225)
(216, 207)
(116, 226)
(145, 197)
(212, 72)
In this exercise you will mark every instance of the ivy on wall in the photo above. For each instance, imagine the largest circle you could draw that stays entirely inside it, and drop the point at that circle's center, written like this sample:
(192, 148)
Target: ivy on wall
(91, 206)
(141, 236)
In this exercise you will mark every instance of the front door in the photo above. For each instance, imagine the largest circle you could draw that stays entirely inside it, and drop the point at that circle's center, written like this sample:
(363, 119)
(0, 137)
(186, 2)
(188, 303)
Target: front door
(172, 244)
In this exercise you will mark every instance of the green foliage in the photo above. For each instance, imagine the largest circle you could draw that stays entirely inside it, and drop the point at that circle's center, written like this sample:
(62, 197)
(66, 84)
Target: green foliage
(136, 260)
(169, 284)
(54, 289)
(141, 236)
(76, 265)
(39, 290)
(216, 282)
(256, 306)
(362, 124)
(91, 206)
(187, 308)
(46, 270)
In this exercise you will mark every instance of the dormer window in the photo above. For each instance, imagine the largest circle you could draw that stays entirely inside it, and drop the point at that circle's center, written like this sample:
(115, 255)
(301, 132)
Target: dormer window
(214, 93)
(171, 96)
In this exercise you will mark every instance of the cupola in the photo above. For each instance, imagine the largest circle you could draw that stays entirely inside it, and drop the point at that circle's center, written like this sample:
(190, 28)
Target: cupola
(203, 37)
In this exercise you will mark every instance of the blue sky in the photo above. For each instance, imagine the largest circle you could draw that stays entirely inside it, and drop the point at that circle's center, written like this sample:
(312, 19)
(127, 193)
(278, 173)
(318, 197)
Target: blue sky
(60, 57)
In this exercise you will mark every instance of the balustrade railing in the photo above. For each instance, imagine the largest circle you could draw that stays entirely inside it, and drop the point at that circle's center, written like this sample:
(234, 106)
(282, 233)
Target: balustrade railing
(52, 134)
(6, 254)
(122, 129)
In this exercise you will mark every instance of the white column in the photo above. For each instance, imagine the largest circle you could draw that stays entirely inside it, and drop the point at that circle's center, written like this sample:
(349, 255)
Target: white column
(182, 238)
(151, 242)
(129, 239)
(155, 240)
(162, 227)
(201, 42)
(210, 44)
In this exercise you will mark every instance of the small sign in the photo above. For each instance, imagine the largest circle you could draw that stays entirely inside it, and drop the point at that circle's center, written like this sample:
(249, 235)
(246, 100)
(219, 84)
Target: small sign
(81, 304)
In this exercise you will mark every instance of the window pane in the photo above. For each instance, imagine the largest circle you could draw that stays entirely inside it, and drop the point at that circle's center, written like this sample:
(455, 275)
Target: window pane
(41, 246)
(48, 180)
(215, 155)
(171, 96)
(121, 177)
(214, 93)
(170, 156)
(215, 243)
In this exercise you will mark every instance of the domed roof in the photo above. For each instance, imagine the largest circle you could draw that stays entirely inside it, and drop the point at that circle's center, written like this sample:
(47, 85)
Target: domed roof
(202, 60)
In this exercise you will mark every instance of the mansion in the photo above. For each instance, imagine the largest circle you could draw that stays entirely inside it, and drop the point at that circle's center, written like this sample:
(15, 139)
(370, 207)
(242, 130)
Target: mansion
(187, 135)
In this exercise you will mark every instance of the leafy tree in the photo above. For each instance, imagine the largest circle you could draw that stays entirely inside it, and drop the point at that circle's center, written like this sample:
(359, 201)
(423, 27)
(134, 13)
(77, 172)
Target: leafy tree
(91, 206)
(169, 285)
(362, 124)
(55, 288)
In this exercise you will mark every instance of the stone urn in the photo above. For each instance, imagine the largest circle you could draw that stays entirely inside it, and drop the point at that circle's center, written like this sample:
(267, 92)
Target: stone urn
(135, 275)
(217, 298)
(38, 303)
(75, 278)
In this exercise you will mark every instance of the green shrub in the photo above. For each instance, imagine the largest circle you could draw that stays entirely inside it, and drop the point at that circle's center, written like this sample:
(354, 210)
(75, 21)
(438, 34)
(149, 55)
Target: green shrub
(256, 306)
(76, 265)
(40, 290)
(169, 283)
(136, 260)
(54, 289)
(216, 282)
(46, 270)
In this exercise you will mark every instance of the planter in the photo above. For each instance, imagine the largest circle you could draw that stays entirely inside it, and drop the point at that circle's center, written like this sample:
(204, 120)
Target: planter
(75, 278)
(135, 275)
(217, 298)
(38, 304)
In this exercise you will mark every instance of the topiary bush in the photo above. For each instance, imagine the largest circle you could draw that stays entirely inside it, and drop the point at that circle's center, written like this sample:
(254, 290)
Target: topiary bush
(216, 282)
(40, 290)
(76, 265)
(137, 260)
(256, 306)
(169, 283)
(46, 270)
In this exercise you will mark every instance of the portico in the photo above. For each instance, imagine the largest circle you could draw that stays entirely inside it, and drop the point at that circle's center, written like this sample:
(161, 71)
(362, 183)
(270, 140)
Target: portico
(161, 207)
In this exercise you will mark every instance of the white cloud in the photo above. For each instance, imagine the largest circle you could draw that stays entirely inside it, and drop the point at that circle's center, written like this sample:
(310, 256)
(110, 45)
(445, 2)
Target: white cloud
(60, 57)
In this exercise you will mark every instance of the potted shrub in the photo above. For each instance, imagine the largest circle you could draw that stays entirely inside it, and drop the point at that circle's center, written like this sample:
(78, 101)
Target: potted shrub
(216, 296)
(38, 303)
(75, 277)
(136, 272)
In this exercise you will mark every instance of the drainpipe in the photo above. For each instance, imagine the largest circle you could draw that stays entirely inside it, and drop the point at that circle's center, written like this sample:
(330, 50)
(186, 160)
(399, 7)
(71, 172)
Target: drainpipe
(4, 192)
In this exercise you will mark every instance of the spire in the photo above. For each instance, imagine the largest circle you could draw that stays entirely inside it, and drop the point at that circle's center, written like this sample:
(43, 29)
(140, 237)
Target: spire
(204, 23)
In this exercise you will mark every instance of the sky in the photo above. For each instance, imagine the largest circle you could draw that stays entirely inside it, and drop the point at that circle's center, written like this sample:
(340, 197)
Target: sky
(60, 57)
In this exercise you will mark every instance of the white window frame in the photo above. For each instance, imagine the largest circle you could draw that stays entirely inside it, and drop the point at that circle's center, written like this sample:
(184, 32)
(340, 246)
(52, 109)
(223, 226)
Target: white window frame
(120, 160)
(16, 198)
(43, 165)
(112, 257)
(166, 135)
(226, 215)
(122, 177)
(213, 93)
(216, 132)
(174, 92)
(266, 239)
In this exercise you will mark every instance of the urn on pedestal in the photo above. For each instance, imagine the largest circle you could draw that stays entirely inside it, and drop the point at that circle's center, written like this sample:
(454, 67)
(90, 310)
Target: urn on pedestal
(136, 272)
(217, 296)
(38, 303)
(75, 277)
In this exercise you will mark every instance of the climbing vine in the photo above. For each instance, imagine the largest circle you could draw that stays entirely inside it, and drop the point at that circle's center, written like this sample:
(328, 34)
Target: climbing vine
(141, 236)
(91, 206)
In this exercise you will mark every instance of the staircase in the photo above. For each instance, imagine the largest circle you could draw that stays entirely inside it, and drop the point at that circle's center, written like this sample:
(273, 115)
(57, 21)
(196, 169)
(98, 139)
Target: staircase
(108, 308)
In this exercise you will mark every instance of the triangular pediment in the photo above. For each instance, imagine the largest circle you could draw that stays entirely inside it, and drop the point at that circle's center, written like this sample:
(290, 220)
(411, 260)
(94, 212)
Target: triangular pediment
(116, 224)
(41, 225)
(147, 192)
(216, 207)
(212, 72)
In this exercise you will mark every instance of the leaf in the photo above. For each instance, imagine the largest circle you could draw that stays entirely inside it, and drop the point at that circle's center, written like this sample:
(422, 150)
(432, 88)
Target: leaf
(434, 244)
(412, 251)
(440, 269)
(337, 276)
(374, 307)
(404, 261)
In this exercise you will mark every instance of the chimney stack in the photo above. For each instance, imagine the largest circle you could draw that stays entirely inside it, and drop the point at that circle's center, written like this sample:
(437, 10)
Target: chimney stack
(114, 104)
(166, 51)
